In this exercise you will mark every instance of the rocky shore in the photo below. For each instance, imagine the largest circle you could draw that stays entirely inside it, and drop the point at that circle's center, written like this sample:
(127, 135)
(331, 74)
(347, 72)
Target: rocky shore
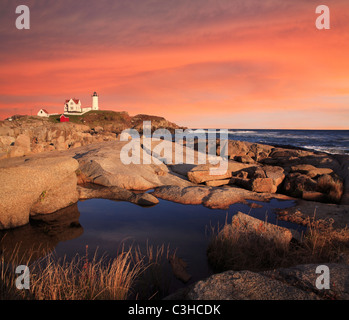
(27, 135)
(48, 181)
(49, 166)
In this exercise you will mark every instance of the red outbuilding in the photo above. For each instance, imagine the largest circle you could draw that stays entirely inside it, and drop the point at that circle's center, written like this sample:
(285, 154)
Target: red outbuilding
(63, 118)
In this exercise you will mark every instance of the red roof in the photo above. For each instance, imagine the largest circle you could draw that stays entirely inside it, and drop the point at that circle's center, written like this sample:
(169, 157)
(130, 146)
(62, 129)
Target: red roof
(75, 100)
(44, 110)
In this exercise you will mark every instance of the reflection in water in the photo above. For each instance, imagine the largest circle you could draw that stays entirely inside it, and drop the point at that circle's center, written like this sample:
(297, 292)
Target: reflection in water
(106, 225)
(42, 234)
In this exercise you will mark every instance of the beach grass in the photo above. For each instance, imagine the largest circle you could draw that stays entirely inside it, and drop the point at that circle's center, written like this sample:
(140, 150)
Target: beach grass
(332, 187)
(87, 278)
(229, 250)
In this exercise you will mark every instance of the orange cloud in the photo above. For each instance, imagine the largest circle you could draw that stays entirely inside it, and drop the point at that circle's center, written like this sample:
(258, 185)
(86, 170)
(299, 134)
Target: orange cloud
(192, 62)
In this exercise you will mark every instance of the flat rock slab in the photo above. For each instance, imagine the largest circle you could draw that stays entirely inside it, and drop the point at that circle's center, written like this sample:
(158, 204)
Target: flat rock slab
(295, 283)
(303, 210)
(217, 183)
(211, 197)
(101, 163)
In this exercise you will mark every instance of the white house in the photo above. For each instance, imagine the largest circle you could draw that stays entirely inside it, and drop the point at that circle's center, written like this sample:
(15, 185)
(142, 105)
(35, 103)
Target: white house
(73, 105)
(43, 113)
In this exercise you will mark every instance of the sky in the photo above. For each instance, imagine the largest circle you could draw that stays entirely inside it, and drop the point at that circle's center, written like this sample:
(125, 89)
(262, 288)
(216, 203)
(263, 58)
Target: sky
(199, 63)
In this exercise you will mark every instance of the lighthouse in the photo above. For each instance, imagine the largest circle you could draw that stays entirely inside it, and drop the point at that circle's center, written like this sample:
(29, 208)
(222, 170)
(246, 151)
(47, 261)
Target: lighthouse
(95, 101)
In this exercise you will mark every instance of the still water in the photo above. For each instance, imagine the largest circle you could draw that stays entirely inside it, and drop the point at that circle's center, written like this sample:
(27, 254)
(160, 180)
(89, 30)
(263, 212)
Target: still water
(105, 225)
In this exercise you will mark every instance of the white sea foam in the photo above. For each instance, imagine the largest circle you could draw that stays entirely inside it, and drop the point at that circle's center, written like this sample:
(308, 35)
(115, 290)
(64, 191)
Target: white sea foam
(331, 150)
(243, 132)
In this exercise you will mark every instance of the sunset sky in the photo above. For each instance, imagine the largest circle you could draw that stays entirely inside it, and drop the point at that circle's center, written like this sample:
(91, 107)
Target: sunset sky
(198, 63)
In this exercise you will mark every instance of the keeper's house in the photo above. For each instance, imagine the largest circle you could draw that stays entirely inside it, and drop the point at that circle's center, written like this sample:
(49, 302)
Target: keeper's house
(72, 106)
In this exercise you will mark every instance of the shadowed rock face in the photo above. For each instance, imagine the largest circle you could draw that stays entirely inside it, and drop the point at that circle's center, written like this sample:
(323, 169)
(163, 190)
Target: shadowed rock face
(42, 235)
(116, 193)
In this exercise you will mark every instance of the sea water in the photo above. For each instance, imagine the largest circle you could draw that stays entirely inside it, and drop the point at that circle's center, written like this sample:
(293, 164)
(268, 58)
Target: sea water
(330, 141)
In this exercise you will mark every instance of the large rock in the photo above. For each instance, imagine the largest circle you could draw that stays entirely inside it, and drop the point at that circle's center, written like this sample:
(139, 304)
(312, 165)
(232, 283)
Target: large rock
(310, 170)
(275, 173)
(57, 197)
(274, 176)
(23, 141)
(20, 147)
(247, 151)
(202, 173)
(244, 159)
(264, 179)
(101, 163)
(211, 197)
(27, 181)
(184, 195)
(296, 183)
(278, 153)
(294, 283)
(245, 285)
(264, 185)
(253, 228)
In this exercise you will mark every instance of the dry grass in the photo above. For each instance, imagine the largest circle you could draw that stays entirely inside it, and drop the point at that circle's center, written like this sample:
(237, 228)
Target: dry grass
(82, 278)
(237, 251)
(331, 186)
(323, 243)
(229, 250)
(155, 281)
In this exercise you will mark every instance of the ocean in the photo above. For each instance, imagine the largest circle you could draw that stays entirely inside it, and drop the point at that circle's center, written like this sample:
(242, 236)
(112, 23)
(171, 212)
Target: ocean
(330, 141)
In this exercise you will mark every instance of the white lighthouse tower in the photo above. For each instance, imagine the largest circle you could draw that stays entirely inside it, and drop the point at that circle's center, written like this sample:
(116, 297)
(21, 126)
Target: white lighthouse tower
(95, 101)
